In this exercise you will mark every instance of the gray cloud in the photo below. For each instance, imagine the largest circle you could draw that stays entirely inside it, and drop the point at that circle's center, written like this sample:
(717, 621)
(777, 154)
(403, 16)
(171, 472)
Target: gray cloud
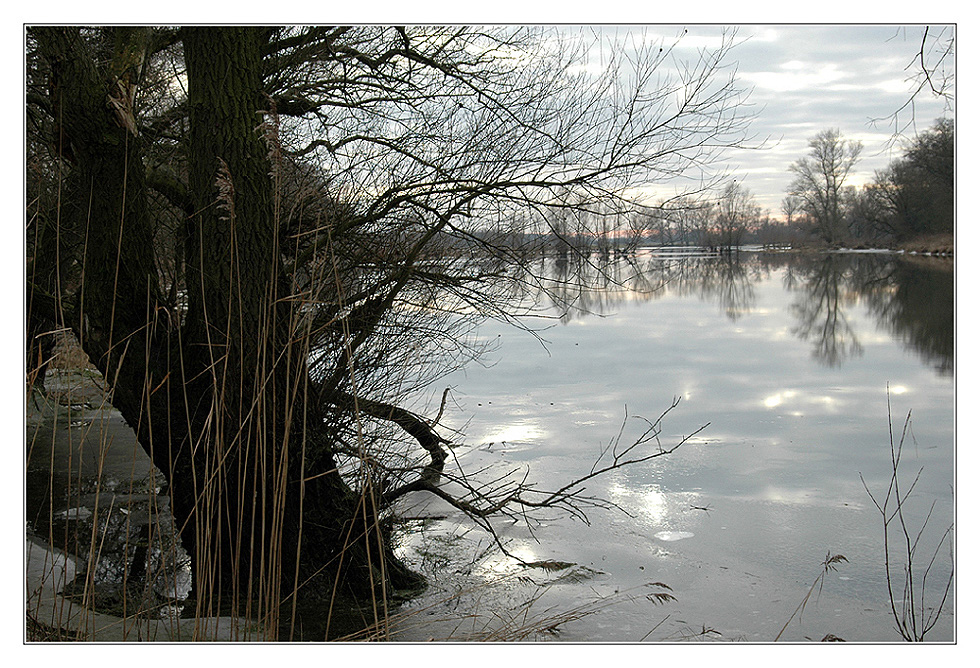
(804, 79)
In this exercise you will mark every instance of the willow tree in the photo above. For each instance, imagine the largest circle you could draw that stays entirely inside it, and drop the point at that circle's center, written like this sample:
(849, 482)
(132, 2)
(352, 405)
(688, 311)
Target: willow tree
(265, 237)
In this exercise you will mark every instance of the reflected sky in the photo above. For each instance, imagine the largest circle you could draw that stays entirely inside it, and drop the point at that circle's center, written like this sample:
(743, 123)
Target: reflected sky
(787, 359)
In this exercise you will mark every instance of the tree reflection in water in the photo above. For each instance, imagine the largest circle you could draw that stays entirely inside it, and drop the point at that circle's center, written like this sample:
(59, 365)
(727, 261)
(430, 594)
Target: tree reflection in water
(920, 311)
(911, 297)
(820, 308)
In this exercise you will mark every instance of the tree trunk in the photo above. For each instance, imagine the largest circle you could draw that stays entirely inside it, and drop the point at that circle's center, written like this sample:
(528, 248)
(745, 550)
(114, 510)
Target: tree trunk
(106, 200)
(218, 392)
(271, 510)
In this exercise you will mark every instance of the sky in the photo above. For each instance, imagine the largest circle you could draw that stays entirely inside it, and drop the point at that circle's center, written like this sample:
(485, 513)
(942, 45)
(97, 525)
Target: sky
(803, 77)
(806, 78)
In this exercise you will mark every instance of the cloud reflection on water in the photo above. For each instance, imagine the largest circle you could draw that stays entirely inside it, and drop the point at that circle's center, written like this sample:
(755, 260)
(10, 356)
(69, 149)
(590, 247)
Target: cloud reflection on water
(794, 418)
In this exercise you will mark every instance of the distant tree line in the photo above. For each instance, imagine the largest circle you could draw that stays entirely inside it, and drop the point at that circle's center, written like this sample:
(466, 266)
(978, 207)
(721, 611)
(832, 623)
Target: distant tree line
(717, 220)
(910, 199)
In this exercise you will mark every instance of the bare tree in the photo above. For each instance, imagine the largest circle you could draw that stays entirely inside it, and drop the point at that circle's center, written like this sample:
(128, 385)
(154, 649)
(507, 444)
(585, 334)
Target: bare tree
(820, 179)
(735, 211)
(789, 207)
(691, 217)
(931, 73)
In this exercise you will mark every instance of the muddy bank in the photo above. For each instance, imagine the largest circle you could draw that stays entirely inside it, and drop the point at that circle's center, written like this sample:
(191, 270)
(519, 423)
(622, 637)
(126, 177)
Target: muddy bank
(939, 245)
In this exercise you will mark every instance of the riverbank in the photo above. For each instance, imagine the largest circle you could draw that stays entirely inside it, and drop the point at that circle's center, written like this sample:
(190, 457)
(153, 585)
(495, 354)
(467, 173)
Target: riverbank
(939, 244)
(101, 558)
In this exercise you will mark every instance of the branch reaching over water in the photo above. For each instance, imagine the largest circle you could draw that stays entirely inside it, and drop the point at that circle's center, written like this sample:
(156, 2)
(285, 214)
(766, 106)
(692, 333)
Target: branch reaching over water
(511, 495)
(414, 426)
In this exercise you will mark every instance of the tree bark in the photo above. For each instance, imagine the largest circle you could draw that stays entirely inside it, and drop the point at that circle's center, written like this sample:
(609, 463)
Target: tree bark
(271, 509)
(217, 390)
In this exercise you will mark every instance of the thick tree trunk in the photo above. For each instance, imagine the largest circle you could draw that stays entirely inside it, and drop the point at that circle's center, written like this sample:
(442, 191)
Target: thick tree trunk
(105, 202)
(270, 498)
(218, 394)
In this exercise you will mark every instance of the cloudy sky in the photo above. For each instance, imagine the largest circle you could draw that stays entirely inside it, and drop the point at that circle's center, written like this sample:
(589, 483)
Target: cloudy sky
(806, 78)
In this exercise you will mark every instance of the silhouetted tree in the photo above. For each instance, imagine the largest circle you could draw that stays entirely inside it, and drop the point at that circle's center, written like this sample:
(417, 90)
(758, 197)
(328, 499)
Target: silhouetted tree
(819, 182)
(734, 212)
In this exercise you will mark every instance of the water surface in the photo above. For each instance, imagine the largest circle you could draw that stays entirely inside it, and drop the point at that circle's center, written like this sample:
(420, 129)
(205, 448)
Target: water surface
(791, 362)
